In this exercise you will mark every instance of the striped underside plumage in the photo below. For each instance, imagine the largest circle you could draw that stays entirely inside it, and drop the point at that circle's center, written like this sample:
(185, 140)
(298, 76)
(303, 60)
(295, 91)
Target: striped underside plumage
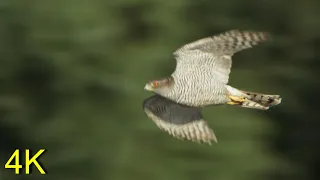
(201, 79)
(203, 67)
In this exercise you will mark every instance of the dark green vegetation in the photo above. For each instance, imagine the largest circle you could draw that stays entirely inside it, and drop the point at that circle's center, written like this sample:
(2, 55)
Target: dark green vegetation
(72, 75)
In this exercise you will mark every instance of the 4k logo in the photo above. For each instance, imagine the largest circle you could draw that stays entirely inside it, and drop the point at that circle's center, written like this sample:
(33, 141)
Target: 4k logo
(28, 161)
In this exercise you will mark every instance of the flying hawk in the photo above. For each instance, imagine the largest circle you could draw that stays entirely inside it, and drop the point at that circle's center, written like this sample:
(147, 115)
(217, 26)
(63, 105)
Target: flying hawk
(201, 79)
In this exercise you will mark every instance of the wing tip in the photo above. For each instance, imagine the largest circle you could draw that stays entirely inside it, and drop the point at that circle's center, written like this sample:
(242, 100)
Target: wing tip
(250, 34)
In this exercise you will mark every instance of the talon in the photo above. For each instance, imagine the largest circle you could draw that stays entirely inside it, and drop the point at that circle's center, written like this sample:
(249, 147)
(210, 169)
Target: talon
(236, 100)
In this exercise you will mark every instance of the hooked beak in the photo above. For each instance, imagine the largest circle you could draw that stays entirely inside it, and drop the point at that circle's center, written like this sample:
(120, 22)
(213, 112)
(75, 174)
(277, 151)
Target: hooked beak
(148, 87)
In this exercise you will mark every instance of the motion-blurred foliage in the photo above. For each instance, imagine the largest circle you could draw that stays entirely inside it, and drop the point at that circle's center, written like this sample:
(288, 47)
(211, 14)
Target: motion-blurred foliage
(72, 76)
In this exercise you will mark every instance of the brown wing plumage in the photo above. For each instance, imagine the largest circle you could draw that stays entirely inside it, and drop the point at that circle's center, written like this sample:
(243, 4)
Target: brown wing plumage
(226, 43)
(214, 54)
(182, 122)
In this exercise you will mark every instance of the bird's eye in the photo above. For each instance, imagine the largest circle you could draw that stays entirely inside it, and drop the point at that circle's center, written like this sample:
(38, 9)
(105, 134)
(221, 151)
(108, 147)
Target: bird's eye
(155, 83)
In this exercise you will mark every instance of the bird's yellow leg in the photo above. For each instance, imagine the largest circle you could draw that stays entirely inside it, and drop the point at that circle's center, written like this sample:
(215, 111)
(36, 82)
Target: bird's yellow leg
(236, 99)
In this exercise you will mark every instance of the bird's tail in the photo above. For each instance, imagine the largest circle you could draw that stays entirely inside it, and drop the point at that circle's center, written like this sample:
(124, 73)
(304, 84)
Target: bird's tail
(252, 99)
(260, 101)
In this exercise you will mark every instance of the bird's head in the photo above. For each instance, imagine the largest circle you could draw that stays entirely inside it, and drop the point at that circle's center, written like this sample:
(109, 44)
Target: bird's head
(159, 86)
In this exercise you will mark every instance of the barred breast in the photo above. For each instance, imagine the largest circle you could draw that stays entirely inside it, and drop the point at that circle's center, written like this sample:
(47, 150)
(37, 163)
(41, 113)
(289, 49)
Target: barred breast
(195, 85)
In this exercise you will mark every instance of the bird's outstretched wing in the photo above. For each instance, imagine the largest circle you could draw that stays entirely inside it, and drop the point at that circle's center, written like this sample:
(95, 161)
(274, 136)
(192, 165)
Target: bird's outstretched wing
(182, 122)
(212, 55)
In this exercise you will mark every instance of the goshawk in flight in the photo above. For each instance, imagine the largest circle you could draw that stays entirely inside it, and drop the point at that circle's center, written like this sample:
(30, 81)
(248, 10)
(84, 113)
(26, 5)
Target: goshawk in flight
(201, 79)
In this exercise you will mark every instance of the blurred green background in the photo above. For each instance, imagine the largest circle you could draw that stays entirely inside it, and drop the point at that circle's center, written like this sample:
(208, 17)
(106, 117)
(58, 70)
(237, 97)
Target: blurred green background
(72, 74)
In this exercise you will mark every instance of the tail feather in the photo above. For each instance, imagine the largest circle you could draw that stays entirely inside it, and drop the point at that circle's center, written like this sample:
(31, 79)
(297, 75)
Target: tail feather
(253, 105)
(253, 99)
(264, 99)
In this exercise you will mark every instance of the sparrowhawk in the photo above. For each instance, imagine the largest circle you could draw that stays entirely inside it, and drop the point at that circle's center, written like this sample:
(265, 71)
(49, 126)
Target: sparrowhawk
(201, 79)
